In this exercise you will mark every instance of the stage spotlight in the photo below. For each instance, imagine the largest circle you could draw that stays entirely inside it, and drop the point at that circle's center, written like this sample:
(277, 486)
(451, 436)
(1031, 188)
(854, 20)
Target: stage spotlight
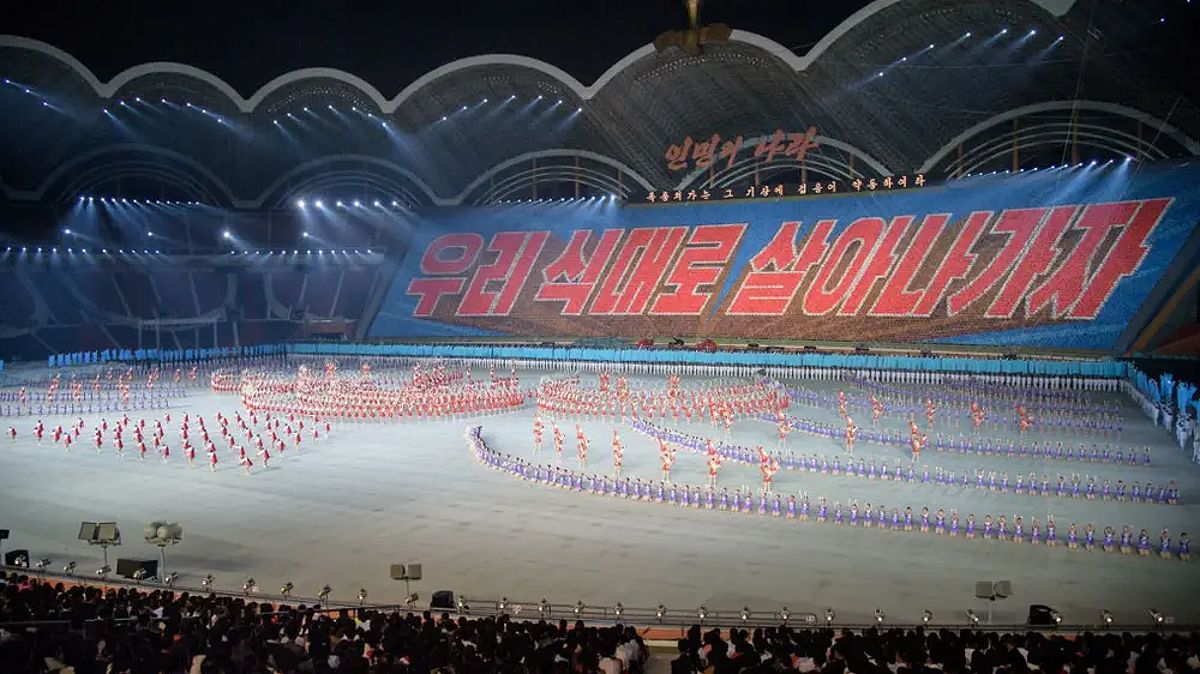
(784, 614)
(226, 234)
(879, 617)
(249, 586)
(926, 617)
(150, 235)
(300, 203)
(206, 582)
(829, 615)
(395, 203)
(41, 564)
(702, 613)
(339, 204)
(169, 581)
(543, 607)
(503, 605)
(578, 608)
(286, 590)
(745, 613)
(103, 571)
(1056, 617)
(323, 593)
(357, 203)
(376, 204)
(67, 232)
(443, 118)
(362, 595)
(618, 610)
(972, 617)
(304, 235)
(1032, 32)
(1156, 616)
(967, 34)
(1106, 616)
(319, 204)
(69, 568)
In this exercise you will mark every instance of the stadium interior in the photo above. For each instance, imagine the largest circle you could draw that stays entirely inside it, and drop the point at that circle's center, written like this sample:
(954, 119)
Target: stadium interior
(976, 212)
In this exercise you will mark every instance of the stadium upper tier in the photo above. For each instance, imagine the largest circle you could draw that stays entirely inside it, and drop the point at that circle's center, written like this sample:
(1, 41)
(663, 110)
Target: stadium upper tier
(56, 306)
(941, 87)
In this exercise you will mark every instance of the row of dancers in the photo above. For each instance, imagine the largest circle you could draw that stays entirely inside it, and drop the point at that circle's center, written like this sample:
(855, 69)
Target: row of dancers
(767, 503)
(993, 481)
(275, 433)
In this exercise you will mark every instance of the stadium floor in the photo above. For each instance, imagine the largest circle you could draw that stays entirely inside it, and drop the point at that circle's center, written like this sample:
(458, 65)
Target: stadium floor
(340, 511)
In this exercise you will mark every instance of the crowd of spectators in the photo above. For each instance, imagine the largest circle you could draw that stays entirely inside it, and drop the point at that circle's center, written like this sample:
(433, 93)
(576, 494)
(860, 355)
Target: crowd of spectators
(47, 627)
(86, 630)
(774, 650)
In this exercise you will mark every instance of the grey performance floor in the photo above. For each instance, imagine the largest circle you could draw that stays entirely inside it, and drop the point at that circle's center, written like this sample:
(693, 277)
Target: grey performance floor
(341, 510)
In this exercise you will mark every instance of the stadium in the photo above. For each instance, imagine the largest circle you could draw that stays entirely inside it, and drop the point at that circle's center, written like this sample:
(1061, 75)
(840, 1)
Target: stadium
(869, 352)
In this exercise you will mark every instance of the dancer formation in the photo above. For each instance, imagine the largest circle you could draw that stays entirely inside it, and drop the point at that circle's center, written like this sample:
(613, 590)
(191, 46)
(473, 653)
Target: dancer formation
(652, 411)
(289, 402)
(150, 436)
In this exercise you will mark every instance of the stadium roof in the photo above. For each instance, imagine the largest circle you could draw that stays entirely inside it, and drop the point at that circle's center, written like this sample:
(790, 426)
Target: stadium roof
(899, 86)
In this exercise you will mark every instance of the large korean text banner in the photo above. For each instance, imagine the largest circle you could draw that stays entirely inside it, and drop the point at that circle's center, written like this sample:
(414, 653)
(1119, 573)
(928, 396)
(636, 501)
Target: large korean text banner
(1060, 258)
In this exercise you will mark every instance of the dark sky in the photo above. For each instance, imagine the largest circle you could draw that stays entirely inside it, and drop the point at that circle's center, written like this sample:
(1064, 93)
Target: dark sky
(389, 44)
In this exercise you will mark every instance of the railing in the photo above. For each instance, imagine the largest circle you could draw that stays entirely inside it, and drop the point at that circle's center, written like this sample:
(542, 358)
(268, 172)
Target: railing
(660, 616)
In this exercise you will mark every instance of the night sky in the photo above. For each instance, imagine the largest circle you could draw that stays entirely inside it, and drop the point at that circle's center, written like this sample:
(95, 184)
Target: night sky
(388, 43)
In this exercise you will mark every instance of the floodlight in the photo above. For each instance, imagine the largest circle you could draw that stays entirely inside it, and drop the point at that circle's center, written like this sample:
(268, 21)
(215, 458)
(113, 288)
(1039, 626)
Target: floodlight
(926, 617)
(879, 616)
(829, 615)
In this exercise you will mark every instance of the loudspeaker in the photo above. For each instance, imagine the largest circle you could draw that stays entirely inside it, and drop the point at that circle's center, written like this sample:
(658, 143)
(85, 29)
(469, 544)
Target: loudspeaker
(442, 599)
(3, 534)
(414, 571)
(126, 568)
(1039, 614)
(10, 557)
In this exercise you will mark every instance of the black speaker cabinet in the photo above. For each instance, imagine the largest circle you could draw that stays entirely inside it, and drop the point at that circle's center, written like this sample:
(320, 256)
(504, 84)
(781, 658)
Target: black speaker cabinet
(1040, 614)
(10, 557)
(126, 568)
(442, 599)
